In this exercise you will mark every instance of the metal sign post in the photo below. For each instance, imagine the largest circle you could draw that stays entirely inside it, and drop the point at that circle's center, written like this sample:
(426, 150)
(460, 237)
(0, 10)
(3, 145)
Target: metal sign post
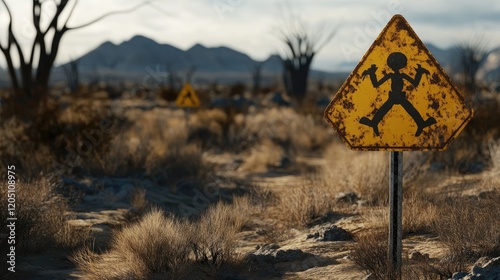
(186, 118)
(395, 214)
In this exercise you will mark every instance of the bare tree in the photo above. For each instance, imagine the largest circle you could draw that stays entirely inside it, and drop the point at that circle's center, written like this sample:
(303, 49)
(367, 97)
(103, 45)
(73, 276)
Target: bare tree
(72, 75)
(257, 76)
(174, 81)
(471, 56)
(35, 67)
(190, 73)
(300, 47)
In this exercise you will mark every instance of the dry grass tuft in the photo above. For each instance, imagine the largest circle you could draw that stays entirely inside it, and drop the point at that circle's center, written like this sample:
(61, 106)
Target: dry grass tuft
(156, 246)
(263, 156)
(51, 128)
(370, 253)
(419, 213)
(468, 226)
(299, 206)
(295, 132)
(158, 146)
(214, 237)
(143, 243)
(262, 197)
(41, 218)
(165, 247)
(364, 173)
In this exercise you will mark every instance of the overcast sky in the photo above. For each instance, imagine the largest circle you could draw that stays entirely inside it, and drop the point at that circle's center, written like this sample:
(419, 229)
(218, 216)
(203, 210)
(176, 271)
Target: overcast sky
(247, 26)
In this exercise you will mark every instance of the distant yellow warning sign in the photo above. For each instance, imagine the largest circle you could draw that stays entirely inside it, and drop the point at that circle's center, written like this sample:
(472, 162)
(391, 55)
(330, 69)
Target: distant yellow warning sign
(187, 98)
(398, 97)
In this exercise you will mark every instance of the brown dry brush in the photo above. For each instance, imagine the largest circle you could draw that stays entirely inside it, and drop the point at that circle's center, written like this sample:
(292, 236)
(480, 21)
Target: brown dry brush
(162, 246)
(303, 204)
(58, 131)
(370, 253)
(154, 247)
(42, 219)
(469, 147)
(468, 226)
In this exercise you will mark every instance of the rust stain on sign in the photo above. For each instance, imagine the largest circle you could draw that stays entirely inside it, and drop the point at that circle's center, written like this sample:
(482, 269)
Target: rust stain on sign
(398, 97)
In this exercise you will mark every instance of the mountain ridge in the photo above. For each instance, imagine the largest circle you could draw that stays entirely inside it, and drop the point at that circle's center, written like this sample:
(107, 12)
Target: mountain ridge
(134, 59)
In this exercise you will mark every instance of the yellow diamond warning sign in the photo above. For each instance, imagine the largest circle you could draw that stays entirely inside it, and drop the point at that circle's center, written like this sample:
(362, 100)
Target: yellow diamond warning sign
(398, 97)
(187, 98)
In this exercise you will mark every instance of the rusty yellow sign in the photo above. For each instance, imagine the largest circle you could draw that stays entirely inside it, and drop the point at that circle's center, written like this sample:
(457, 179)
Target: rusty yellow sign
(187, 98)
(398, 97)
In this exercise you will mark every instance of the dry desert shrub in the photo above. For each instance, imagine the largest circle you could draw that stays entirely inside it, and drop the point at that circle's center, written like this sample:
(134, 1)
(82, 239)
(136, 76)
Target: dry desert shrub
(295, 132)
(262, 197)
(263, 156)
(468, 226)
(157, 246)
(467, 151)
(364, 173)
(42, 217)
(214, 236)
(419, 213)
(166, 247)
(156, 146)
(160, 253)
(370, 253)
(299, 206)
(209, 128)
(54, 130)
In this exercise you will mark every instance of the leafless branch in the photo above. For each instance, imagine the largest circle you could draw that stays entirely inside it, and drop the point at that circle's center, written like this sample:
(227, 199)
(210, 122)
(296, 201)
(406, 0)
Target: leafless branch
(110, 14)
(70, 14)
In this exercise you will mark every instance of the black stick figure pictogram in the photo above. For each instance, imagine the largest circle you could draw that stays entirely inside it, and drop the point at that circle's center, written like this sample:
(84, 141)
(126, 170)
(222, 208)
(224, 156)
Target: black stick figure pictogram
(188, 96)
(396, 61)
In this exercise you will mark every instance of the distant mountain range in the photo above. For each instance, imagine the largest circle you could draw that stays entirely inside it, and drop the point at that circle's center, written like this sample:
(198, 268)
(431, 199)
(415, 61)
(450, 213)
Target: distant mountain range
(141, 58)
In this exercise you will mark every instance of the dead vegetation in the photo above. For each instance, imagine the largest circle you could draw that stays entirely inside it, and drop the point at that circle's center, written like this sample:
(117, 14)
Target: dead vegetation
(161, 246)
(42, 217)
(302, 205)
(370, 253)
(170, 149)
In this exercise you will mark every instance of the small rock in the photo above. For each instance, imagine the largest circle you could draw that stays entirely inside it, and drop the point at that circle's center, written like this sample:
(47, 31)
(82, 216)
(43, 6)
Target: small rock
(269, 254)
(458, 275)
(290, 255)
(346, 197)
(285, 162)
(274, 246)
(266, 248)
(417, 256)
(313, 235)
(335, 233)
(484, 268)
(471, 167)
